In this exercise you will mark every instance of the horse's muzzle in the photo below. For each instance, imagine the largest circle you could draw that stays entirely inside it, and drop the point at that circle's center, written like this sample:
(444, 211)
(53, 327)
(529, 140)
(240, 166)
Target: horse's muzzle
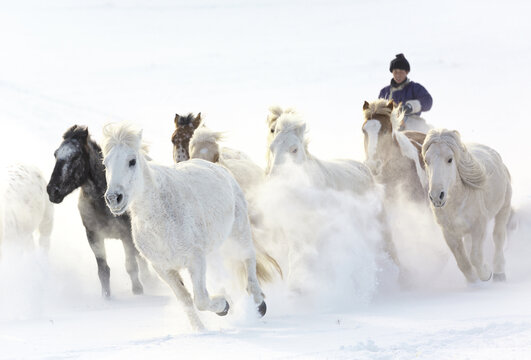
(115, 202)
(438, 199)
(54, 194)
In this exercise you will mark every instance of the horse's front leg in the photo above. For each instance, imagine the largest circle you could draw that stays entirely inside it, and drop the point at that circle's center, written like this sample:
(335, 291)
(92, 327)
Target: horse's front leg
(97, 245)
(202, 300)
(455, 243)
(476, 252)
(131, 264)
(175, 282)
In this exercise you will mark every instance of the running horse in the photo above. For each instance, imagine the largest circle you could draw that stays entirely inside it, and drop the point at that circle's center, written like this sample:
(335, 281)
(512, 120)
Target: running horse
(393, 156)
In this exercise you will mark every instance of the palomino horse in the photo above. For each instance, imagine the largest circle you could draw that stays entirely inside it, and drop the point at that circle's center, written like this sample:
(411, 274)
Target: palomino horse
(393, 156)
(204, 144)
(290, 145)
(79, 165)
(178, 215)
(468, 187)
(26, 207)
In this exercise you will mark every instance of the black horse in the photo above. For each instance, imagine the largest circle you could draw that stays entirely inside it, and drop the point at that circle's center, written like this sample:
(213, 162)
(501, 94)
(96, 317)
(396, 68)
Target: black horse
(79, 164)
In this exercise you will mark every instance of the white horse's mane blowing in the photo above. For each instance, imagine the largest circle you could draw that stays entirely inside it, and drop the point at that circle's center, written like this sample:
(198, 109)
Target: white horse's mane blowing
(126, 134)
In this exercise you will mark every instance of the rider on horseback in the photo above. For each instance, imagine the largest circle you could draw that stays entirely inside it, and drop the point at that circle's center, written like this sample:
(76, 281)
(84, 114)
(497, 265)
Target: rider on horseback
(413, 96)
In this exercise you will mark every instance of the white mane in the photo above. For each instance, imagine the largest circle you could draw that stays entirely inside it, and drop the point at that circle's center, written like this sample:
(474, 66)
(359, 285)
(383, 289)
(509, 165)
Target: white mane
(206, 135)
(471, 171)
(122, 133)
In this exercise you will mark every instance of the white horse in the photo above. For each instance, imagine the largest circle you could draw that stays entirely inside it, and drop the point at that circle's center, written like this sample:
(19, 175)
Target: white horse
(468, 187)
(274, 113)
(204, 144)
(179, 215)
(291, 146)
(26, 207)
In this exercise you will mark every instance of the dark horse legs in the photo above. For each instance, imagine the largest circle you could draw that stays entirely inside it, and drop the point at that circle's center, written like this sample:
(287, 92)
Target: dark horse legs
(98, 248)
(104, 272)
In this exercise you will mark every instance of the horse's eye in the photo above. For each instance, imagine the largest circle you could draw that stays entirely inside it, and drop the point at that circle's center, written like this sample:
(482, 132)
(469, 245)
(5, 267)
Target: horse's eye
(132, 162)
(272, 130)
(450, 160)
(294, 151)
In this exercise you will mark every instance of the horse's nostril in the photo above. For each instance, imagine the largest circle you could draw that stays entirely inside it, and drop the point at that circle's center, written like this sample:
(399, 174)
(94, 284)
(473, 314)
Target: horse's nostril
(442, 195)
(119, 198)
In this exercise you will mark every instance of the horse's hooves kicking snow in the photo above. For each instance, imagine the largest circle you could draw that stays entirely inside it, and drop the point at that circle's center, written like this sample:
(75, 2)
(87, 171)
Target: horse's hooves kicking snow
(499, 277)
(262, 309)
(225, 311)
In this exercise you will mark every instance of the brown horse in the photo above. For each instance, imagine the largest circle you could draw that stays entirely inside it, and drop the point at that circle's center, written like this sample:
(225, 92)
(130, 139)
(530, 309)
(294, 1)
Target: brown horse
(184, 129)
(394, 156)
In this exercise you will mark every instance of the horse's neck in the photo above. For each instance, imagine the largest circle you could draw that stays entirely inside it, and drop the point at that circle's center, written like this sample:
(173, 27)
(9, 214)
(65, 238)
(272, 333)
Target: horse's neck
(95, 185)
(408, 150)
(146, 188)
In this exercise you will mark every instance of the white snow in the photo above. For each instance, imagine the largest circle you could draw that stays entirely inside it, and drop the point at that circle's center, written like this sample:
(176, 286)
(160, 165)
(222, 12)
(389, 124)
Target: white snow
(68, 62)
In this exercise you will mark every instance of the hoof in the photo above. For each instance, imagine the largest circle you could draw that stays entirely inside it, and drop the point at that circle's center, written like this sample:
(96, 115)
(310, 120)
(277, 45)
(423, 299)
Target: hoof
(225, 311)
(262, 309)
(106, 294)
(138, 290)
(499, 277)
(488, 279)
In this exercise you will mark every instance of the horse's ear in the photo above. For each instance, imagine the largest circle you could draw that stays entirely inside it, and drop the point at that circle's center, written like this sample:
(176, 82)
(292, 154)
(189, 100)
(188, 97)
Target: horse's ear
(197, 121)
(83, 133)
(391, 104)
(365, 105)
(302, 130)
(176, 120)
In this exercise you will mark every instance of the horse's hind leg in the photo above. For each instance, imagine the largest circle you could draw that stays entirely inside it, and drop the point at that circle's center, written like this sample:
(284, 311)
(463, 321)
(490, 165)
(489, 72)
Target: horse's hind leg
(131, 265)
(499, 236)
(175, 282)
(104, 272)
(476, 253)
(241, 234)
(202, 300)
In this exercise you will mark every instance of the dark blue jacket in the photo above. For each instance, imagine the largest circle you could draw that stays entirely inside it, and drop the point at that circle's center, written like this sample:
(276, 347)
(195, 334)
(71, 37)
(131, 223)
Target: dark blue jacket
(408, 91)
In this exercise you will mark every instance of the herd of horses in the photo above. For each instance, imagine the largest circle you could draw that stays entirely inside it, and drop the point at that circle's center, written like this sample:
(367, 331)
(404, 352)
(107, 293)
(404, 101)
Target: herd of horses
(172, 217)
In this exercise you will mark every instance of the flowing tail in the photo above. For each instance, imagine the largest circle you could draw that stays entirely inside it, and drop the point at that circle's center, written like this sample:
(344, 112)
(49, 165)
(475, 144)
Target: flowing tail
(266, 265)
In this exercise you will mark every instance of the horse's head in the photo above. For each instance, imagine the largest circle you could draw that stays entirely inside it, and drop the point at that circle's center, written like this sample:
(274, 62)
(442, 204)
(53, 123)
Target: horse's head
(123, 158)
(442, 151)
(71, 164)
(184, 129)
(204, 144)
(378, 132)
(289, 143)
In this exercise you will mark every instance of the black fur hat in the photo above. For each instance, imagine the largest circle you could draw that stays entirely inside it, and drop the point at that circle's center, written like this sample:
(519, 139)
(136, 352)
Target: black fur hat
(399, 62)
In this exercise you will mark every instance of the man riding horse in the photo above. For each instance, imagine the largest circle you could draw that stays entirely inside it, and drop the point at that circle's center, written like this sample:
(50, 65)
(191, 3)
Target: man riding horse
(413, 96)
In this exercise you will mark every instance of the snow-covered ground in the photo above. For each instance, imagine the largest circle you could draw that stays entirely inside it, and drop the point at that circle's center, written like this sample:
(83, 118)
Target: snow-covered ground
(68, 61)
